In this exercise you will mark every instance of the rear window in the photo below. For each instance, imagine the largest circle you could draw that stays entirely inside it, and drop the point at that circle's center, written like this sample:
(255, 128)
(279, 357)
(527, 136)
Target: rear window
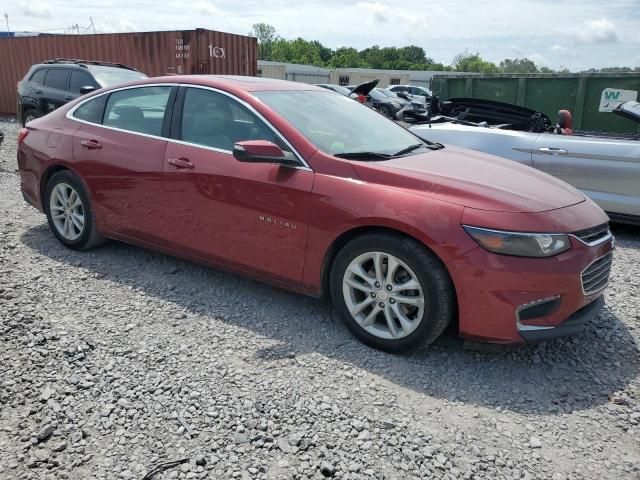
(38, 76)
(56, 78)
(108, 76)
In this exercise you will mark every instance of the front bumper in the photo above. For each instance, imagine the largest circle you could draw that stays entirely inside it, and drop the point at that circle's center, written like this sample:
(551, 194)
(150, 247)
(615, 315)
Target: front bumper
(505, 299)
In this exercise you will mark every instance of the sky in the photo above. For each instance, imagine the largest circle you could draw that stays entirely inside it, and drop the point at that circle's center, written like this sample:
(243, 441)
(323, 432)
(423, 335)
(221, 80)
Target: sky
(576, 34)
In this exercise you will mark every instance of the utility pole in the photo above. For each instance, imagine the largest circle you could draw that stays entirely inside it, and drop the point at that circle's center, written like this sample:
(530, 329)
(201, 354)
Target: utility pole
(6, 17)
(92, 25)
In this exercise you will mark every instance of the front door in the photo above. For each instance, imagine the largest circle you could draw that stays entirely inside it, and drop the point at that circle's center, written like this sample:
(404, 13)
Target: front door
(250, 216)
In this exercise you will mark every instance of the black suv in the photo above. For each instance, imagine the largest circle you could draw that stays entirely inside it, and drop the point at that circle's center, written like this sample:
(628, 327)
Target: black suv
(53, 83)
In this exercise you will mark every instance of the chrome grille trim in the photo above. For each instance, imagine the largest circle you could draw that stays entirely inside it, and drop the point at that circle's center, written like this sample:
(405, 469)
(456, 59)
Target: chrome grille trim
(594, 236)
(595, 277)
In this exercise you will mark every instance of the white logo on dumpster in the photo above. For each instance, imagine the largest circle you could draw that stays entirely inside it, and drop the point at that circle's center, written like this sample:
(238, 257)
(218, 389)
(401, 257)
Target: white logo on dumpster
(612, 97)
(217, 52)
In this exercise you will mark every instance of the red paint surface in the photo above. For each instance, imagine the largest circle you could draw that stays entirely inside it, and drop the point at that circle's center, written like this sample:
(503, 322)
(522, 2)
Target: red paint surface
(278, 224)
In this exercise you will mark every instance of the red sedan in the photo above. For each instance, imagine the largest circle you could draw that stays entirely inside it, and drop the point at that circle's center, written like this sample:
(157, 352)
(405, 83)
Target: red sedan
(309, 190)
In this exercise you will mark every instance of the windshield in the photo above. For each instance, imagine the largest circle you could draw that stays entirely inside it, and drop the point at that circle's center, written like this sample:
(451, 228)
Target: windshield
(108, 76)
(339, 125)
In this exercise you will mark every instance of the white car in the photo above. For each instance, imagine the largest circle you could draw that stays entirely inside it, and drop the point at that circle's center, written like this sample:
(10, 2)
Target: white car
(605, 166)
(420, 94)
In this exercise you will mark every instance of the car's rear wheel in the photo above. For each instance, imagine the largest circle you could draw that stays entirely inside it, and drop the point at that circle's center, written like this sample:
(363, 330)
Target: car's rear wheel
(386, 111)
(391, 292)
(69, 212)
(28, 116)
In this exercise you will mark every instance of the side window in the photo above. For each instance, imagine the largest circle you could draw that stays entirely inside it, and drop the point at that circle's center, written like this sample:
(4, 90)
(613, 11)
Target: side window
(80, 79)
(56, 78)
(138, 109)
(92, 110)
(215, 120)
(38, 76)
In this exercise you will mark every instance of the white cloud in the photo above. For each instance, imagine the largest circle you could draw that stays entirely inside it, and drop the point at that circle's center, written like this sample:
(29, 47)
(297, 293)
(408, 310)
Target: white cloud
(600, 31)
(539, 59)
(127, 26)
(206, 8)
(559, 48)
(36, 10)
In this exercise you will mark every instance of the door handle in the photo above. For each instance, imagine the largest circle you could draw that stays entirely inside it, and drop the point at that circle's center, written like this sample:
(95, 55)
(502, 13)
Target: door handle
(91, 144)
(180, 162)
(553, 151)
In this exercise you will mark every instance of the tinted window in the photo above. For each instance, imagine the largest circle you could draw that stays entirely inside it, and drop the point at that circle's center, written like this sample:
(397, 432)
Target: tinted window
(56, 78)
(138, 109)
(92, 110)
(80, 79)
(215, 120)
(38, 76)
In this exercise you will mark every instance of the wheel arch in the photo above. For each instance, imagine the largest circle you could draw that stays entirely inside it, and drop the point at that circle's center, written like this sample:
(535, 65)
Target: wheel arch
(345, 237)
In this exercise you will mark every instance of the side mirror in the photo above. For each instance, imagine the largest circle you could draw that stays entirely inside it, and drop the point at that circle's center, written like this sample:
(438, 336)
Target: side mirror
(86, 89)
(260, 151)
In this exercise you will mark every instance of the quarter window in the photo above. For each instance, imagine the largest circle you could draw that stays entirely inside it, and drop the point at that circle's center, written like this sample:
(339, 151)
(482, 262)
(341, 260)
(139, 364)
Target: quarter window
(57, 78)
(80, 79)
(91, 111)
(38, 76)
(215, 120)
(138, 109)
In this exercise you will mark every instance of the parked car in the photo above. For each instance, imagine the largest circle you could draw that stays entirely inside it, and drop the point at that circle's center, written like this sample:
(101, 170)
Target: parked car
(415, 102)
(387, 105)
(292, 184)
(52, 83)
(605, 166)
(421, 93)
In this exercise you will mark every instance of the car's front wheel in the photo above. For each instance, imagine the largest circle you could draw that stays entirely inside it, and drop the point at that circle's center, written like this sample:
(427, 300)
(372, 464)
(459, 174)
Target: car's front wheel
(69, 212)
(391, 292)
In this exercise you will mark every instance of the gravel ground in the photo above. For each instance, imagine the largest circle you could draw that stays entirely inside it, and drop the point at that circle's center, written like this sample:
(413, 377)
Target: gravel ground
(117, 360)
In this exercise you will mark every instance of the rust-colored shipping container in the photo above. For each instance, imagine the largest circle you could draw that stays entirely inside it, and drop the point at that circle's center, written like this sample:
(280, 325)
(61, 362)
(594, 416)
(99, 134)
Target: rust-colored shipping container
(197, 51)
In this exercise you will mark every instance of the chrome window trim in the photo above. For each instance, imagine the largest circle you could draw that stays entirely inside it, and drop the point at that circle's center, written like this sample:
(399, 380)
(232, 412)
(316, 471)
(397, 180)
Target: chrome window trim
(530, 328)
(600, 290)
(303, 164)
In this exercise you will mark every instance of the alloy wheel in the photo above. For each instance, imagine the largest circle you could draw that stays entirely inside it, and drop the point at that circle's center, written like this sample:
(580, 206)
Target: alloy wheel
(67, 211)
(383, 295)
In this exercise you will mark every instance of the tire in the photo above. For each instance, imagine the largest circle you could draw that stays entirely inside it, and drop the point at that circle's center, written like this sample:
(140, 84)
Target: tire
(386, 111)
(29, 115)
(412, 260)
(73, 236)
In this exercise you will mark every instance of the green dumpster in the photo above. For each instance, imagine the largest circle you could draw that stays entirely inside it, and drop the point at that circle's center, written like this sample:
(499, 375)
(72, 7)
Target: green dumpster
(589, 96)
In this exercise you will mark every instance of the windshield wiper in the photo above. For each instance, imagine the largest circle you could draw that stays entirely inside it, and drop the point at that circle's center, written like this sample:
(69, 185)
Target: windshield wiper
(410, 148)
(359, 155)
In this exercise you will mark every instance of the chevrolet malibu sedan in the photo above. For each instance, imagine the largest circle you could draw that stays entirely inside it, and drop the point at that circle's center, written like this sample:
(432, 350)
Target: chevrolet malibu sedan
(308, 190)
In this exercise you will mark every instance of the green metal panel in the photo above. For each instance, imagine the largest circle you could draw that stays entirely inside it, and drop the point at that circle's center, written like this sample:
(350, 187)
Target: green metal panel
(548, 93)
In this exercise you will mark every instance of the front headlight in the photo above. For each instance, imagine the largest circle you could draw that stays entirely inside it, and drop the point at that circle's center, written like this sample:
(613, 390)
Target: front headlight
(520, 244)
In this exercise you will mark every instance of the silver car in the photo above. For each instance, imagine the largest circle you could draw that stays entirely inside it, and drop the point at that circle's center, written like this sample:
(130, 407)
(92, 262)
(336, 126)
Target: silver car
(605, 166)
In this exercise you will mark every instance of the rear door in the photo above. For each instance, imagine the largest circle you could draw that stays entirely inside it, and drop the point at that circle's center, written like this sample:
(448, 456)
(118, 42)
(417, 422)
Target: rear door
(607, 170)
(54, 91)
(120, 150)
(250, 216)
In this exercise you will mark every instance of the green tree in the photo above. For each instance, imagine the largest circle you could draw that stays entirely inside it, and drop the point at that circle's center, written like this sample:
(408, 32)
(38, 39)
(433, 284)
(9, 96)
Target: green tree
(266, 35)
(518, 65)
(468, 62)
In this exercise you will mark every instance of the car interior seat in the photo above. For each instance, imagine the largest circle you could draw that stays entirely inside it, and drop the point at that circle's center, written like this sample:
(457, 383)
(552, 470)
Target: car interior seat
(565, 122)
(129, 117)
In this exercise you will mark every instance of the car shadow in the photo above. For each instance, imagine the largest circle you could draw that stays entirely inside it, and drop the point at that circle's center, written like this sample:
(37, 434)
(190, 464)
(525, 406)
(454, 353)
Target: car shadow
(551, 378)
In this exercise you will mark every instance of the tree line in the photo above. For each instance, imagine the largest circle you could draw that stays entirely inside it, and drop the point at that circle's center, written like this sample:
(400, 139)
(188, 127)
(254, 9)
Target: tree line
(412, 57)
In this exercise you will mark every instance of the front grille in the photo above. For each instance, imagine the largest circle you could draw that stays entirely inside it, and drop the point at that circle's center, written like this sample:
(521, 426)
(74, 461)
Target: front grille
(594, 234)
(596, 276)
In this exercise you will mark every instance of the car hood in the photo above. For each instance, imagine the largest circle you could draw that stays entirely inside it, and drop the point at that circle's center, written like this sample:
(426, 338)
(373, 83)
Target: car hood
(472, 179)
